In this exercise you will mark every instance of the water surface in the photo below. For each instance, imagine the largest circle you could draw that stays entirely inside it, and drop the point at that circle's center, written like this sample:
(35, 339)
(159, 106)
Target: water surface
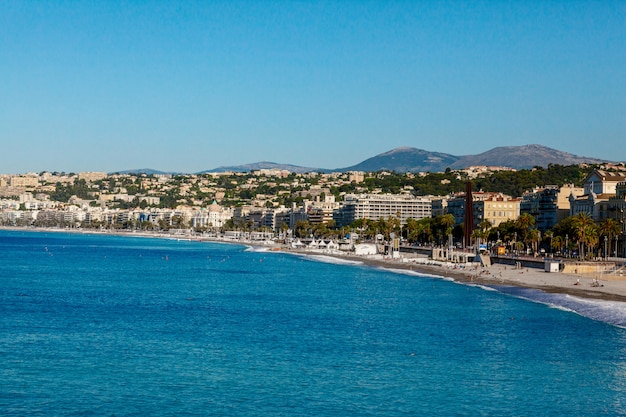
(108, 325)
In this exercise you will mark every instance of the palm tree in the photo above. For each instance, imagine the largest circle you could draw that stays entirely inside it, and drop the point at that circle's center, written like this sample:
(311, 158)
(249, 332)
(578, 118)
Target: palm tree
(302, 228)
(583, 224)
(591, 238)
(533, 237)
(609, 228)
(549, 235)
(411, 228)
(557, 243)
(524, 223)
(445, 225)
(425, 229)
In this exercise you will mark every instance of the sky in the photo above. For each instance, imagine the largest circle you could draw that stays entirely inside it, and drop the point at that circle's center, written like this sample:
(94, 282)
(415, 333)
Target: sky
(189, 86)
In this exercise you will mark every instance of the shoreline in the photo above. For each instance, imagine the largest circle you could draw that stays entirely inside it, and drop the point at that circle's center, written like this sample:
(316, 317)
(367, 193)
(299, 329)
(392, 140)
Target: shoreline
(500, 275)
(611, 288)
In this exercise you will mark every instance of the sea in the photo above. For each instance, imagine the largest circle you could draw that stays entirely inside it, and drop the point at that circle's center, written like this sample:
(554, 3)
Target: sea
(103, 325)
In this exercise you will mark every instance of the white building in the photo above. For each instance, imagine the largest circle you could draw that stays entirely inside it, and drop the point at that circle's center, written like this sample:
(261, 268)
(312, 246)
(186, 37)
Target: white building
(599, 187)
(384, 206)
(215, 216)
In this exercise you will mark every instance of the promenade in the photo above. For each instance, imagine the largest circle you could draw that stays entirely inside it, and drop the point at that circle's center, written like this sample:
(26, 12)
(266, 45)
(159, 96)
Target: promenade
(609, 287)
(597, 286)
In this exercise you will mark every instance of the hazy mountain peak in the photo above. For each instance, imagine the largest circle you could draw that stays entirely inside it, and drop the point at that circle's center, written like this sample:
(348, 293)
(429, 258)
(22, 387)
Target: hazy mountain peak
(408, 159)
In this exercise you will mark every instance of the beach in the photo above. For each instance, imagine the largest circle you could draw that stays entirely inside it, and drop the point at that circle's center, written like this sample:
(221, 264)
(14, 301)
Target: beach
(610, 287)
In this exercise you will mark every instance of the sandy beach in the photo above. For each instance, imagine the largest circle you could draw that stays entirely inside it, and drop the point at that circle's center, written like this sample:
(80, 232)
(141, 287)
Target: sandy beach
(610, 287)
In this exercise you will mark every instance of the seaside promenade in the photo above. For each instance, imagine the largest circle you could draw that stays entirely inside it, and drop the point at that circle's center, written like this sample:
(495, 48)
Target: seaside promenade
(595, 286)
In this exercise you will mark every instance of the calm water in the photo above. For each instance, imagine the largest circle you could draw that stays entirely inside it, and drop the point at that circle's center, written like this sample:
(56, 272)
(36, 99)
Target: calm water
(105, 325)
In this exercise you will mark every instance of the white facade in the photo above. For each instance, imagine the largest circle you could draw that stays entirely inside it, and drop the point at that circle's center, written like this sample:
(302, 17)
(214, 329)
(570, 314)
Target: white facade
(385, 206)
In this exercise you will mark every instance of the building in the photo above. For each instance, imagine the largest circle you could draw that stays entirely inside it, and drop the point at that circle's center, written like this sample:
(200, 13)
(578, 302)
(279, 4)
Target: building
(321, 211)
(439, 206)
(603, 182)
(383, 206)
(26, 181)
(615, 208)
(599, 187)
(356, 176)
(496, 208)
(216, 216)
(549, 205)
(92, 176)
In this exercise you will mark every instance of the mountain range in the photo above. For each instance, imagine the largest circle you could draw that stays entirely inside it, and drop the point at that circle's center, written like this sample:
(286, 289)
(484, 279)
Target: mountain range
(519, 157)
(407, 159)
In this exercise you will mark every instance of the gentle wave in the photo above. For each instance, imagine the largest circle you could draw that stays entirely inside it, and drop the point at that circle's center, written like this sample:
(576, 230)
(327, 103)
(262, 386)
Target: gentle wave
(325, 258)
(610, 312)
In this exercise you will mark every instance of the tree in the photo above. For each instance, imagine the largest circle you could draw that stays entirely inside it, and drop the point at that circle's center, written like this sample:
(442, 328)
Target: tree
(584, 228)
(146, 225)
(163, 224)
(609, 228)
(533, 237)
(442, 227)
(179, 222)
(482, 232)
(557, 243)
(302, 229)
(524, 224)
(549, 236)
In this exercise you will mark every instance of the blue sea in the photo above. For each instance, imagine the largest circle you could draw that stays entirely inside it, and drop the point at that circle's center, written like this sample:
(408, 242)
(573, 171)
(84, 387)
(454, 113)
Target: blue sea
(99, 325)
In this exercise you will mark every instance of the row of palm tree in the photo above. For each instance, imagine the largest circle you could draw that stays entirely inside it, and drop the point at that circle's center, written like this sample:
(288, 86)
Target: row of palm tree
(575, 232)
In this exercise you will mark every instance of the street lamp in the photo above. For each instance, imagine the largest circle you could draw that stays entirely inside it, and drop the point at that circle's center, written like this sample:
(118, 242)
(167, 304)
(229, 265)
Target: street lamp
(567, 244)
(606, 256)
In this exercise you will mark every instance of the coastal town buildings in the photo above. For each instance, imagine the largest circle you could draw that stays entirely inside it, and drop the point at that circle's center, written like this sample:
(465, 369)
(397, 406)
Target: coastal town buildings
(282, 201)
(215, 216)
(599, 187)
(492, 207)
(549, 205)
(440, 206)
(383, 206)
(30, 181)
(615, 209)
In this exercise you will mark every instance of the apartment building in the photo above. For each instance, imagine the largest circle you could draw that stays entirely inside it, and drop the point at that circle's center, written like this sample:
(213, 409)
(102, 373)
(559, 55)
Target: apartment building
(549, 205)
(383, 206)
(24, 181)
(599, 187)
(493, 207)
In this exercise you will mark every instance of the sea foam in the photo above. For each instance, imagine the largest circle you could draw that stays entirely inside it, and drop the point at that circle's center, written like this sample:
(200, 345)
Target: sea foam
(611, 312)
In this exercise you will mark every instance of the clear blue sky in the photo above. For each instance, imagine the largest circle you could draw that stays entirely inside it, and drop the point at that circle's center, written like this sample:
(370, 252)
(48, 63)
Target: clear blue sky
(187, 86)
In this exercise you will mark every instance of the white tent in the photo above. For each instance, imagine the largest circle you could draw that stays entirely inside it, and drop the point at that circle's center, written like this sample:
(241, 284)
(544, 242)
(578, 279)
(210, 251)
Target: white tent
(365, 249)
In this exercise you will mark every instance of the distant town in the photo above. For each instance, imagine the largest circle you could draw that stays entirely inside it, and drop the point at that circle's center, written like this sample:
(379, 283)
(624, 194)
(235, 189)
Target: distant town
(573, 210)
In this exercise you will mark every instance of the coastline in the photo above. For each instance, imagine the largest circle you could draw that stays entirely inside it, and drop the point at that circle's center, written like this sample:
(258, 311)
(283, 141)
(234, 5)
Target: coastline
(612, 288)
(501, 275)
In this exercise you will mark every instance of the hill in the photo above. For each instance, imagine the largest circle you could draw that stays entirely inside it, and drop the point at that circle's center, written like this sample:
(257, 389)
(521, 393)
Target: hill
(147, 171)
(407, 159)
(264, 165)
(520, 157)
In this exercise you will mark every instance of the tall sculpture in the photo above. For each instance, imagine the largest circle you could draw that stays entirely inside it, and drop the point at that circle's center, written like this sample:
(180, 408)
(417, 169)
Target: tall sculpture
(468, 225)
